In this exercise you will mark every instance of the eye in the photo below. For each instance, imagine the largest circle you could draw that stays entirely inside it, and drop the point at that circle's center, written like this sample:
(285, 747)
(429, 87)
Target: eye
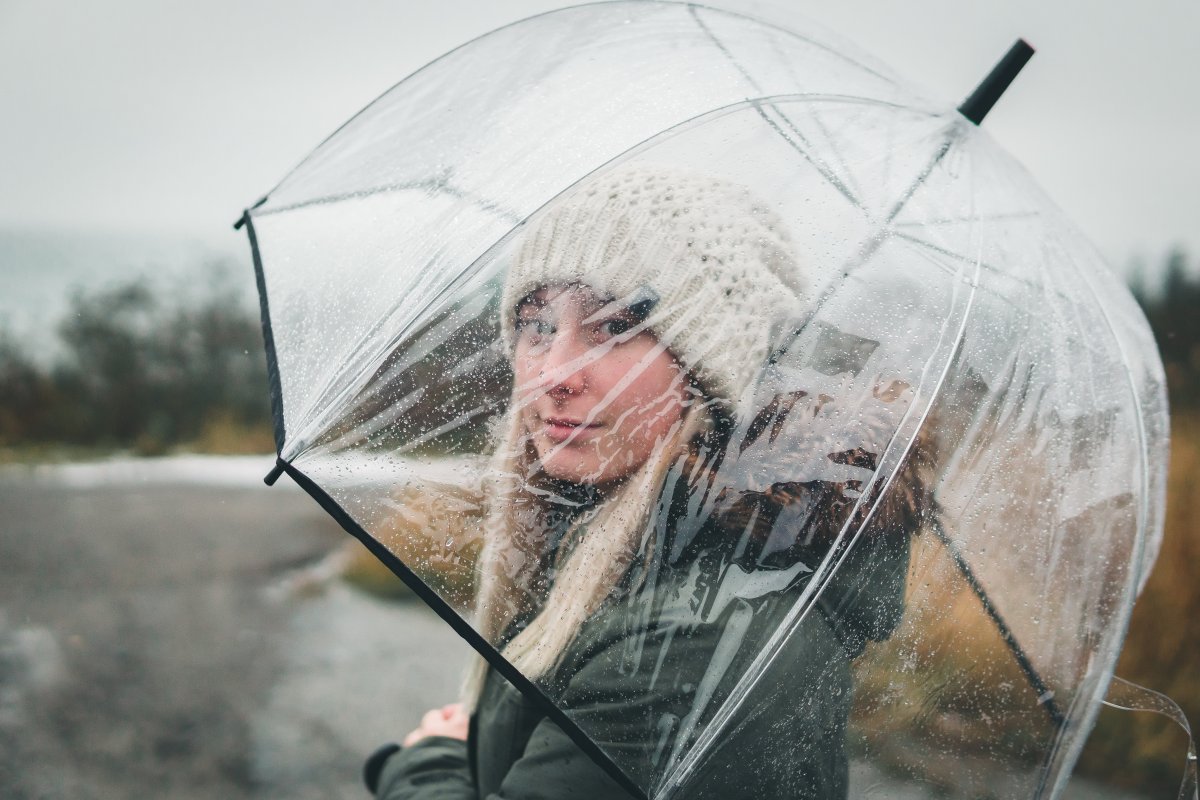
(614, 327)
(534, 325)
(534, 328)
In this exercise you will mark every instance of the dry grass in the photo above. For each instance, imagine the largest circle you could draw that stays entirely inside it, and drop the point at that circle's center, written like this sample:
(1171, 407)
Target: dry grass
(224, 434)
(945, 690)
(436, 533)
(1162, 651)
(943, 702)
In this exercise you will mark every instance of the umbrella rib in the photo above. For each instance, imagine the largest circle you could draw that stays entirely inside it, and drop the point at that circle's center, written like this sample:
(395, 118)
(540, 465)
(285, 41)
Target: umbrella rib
(829, 139)
(1045, 695)
(849, 174)
(833, 51)
(438, 184)
(948, 253)
(825, 172)
(920, 179)
(959, 220)
(1045, 698)
(834, 180)
(1028, 284)
(991, 292)
(1014, 647)
(872, 243)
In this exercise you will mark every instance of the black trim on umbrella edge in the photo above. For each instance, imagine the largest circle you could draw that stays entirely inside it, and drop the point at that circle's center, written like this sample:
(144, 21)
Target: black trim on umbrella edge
(463, 629)
(237, 226)
(268, 337)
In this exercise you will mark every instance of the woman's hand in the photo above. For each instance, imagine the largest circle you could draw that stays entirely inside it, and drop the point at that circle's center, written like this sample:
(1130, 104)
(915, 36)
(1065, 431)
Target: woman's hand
(449, 720)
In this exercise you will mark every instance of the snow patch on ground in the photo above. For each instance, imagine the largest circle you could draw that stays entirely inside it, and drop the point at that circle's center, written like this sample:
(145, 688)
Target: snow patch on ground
(247, 472)
(182, 470)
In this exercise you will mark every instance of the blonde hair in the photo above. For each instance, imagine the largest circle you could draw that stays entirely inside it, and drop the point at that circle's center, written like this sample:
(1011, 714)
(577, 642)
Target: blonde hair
(591, 559)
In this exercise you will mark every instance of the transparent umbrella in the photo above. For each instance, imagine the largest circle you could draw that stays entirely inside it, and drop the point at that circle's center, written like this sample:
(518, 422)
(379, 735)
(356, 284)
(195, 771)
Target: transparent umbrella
(757, 419)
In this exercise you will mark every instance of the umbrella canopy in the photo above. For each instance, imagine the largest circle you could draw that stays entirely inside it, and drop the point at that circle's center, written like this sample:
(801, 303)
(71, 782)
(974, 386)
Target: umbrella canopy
(657, 345)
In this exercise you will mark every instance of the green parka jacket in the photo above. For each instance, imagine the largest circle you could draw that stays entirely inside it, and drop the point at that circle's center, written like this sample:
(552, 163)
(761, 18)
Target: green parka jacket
(644, 675)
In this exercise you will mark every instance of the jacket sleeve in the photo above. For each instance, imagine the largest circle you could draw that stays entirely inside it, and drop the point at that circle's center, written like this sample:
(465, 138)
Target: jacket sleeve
(638, 695)
(788, 740)
(434, 768)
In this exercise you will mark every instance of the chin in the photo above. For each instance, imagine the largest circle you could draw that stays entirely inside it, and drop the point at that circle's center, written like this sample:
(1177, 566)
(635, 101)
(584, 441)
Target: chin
(575, 472)
(577, 466)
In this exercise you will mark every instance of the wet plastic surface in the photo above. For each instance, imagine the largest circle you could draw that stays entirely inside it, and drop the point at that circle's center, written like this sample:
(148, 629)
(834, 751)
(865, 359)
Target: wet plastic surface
(746, 402)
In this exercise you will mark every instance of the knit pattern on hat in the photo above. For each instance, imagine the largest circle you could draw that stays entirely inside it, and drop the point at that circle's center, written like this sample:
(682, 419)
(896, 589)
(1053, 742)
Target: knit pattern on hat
(718, 262)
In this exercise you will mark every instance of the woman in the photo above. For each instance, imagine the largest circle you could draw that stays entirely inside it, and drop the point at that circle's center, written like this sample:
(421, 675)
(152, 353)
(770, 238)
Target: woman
(628, 569)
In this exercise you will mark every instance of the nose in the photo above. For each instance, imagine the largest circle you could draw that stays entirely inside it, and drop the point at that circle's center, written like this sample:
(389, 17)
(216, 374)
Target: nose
(562, 368)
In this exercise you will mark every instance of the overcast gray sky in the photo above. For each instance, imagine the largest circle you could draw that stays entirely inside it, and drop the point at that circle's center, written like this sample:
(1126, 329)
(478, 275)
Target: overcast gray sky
(169, 116)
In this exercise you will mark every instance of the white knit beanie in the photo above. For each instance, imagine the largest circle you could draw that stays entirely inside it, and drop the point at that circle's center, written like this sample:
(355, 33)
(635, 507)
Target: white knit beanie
(716, 262)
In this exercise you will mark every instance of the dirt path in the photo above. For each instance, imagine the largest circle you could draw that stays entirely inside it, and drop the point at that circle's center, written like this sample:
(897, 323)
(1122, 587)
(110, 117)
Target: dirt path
(149, 645)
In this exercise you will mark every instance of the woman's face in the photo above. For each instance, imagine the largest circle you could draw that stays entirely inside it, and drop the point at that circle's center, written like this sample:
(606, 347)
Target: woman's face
(596, 391)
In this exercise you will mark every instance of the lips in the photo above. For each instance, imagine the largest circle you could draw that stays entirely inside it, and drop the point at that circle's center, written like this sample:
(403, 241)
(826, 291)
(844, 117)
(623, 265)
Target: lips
(559, 429)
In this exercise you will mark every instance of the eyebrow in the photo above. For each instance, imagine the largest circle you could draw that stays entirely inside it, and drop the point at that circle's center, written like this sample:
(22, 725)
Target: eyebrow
(612, 309)
(636, 312)
(531, 300)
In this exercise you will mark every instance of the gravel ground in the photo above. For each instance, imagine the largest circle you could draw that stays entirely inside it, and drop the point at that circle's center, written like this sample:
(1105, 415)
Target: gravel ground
(168, 630)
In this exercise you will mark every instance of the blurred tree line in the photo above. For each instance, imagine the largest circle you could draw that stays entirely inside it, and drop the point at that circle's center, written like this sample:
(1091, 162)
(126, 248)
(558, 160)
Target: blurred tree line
(1173, 309)
(143, 371)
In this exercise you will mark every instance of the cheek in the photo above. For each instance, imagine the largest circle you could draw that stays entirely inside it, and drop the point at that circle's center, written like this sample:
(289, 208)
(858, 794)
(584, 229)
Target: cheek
(523, 367)
(655, 395)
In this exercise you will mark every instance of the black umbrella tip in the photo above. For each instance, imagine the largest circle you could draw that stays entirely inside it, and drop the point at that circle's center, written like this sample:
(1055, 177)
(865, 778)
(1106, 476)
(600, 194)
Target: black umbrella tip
(276, 472)
(976, 107)
(237, 226)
